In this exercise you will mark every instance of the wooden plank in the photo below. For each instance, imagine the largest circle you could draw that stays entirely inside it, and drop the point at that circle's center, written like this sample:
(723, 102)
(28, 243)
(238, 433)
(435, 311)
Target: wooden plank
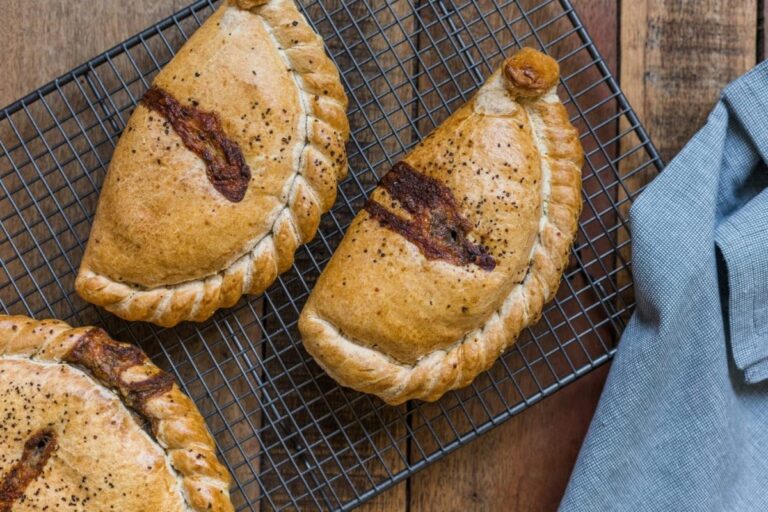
(42, 39)
(677, 56)
(762, 35)
(601, 21)
(523, 464)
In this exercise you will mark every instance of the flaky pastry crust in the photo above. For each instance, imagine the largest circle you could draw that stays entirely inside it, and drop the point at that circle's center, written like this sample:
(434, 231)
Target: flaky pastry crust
(77, 385)
(166, 245)
(391, 316)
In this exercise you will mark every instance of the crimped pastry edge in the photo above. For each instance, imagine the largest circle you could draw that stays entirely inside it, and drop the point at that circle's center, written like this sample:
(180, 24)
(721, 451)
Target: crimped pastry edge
(204, 482)
(273, 253)
(372, 371)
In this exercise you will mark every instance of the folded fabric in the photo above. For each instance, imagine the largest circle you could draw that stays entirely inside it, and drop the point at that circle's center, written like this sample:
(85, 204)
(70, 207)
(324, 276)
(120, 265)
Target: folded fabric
(683, 420)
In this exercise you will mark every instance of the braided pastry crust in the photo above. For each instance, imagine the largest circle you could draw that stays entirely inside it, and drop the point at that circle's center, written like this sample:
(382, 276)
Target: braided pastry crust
(394, 319)
(49, 362)
(166, 245)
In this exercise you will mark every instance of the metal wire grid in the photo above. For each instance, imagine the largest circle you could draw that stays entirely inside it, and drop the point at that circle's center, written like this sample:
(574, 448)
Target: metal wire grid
(291, 437)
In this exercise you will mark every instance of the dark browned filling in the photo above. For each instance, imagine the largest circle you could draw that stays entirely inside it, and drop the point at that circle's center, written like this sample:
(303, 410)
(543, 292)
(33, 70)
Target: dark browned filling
(37, 451)
(107, 359)
(202, 134)
(436, 227)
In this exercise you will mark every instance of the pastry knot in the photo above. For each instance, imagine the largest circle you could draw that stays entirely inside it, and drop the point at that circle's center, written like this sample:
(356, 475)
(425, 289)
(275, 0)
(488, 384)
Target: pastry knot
(530, 73)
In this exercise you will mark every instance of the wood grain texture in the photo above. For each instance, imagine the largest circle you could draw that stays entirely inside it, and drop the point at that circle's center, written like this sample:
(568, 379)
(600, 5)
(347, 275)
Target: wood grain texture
(677, 56)
(762, 33)
(600, 18)
(41, 39)
(522, 465)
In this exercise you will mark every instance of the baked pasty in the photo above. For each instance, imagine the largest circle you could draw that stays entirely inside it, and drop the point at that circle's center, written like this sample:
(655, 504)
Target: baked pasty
(223, 169)
(72, 407)
(459, 246)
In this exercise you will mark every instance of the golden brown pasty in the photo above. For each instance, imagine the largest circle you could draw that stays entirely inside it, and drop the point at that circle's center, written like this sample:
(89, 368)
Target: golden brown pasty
(74, 405)
(458, 248)
(223, 170)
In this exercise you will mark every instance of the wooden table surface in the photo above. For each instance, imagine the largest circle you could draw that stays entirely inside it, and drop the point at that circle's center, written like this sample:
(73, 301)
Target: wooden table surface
(672, 57)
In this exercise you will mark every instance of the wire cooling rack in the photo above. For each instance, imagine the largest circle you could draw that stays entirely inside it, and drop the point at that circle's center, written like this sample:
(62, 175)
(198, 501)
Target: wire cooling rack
(291, 437)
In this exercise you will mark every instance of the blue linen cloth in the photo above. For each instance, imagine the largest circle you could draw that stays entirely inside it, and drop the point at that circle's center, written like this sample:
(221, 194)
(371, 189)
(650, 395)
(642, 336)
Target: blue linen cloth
(683, 420)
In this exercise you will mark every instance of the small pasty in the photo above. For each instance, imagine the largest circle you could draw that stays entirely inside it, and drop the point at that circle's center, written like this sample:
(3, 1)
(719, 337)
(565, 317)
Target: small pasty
(459, 246)
(223, 169)
(87, 423)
